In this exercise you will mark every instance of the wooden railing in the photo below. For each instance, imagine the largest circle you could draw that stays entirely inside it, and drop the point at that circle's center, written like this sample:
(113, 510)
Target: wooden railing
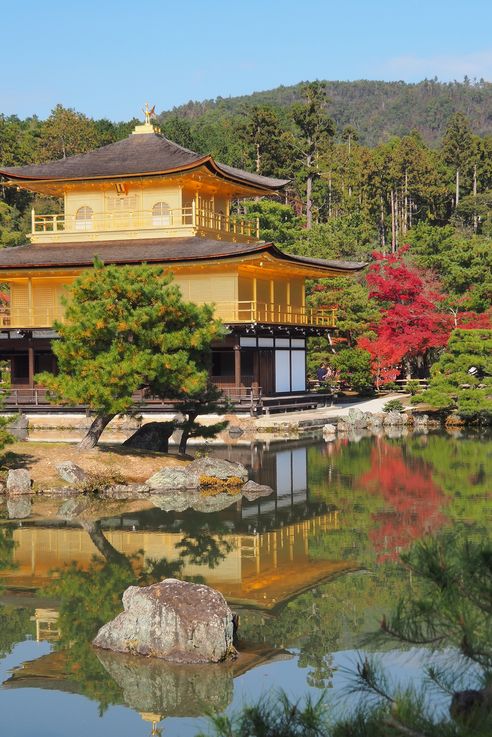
(251, 311)
(229, 312)
(17, 397)
(179, 218)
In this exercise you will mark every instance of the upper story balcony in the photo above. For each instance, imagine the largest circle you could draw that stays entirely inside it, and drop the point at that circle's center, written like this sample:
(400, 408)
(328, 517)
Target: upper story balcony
(230, 312)
(160, 222)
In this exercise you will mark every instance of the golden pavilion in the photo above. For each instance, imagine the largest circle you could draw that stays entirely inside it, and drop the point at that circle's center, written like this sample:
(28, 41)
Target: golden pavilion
(147, 199)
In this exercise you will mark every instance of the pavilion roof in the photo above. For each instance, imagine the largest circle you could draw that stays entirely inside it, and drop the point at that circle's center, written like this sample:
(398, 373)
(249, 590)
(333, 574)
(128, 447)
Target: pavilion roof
(162, 251)
(147, 154)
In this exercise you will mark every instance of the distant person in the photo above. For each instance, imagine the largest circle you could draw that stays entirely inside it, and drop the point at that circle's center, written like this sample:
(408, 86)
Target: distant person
(321, 372)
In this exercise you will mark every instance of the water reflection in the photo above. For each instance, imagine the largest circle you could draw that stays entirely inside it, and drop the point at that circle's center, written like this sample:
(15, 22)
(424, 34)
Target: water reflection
(310, 568)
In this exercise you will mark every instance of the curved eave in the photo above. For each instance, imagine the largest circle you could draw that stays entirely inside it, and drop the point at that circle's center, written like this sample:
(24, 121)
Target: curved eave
(319, 267)
(16, 178)
(186, 251)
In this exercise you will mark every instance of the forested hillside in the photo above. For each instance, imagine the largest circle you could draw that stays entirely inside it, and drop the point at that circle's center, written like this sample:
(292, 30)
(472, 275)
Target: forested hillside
(378, 110)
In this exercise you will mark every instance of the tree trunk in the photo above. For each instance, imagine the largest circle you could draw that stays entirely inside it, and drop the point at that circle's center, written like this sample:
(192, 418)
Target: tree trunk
(186, 432)
(457, 198)
(329, 194)
(94, 432)
(393, 223)
(383, 235)
(309, 201)
(475, 217)
(405, 205)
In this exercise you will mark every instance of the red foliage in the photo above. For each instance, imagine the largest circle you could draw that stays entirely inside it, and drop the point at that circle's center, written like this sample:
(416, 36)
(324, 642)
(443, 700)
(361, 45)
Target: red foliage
(412, 321)
(474, 321)
(414, 501)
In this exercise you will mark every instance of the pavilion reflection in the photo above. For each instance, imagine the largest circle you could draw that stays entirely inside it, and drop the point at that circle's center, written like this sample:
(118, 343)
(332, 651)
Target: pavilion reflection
(255, 552)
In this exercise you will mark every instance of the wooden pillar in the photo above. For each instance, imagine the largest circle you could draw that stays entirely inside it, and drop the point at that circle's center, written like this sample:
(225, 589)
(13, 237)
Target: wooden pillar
(237, 366)
(256, 371)
(30, 360)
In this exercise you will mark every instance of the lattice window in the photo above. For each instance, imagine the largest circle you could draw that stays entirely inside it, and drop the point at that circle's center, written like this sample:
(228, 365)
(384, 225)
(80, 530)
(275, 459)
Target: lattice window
(83, 218)
(121, 204)
(161, 214)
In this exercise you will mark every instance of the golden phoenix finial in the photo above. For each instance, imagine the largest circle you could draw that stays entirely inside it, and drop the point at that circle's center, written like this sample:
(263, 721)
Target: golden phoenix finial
(149, 113)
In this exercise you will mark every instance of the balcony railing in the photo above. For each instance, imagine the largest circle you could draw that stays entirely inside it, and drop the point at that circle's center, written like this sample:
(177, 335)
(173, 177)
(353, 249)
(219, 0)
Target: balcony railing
(228, 312)
(263, 312)
(174, 221)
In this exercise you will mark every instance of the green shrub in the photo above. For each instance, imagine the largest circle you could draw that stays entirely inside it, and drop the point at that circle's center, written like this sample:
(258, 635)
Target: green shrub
(354, 368)
(394, 405)
(412, 387)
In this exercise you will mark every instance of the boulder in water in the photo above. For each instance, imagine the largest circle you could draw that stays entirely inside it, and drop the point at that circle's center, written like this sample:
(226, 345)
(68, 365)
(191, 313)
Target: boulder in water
(175, 620)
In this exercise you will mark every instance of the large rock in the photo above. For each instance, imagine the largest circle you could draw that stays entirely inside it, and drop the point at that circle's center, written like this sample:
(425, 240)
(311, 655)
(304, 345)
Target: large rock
(195, 473)
(394, 418)
(70, 472)
(358, 418)
(179, 621)
(18, 481)
(175, 477)
(217, 468)
(153, 436)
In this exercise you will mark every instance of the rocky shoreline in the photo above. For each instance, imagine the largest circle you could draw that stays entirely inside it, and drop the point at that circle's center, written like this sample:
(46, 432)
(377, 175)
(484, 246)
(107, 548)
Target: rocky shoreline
(205, 482)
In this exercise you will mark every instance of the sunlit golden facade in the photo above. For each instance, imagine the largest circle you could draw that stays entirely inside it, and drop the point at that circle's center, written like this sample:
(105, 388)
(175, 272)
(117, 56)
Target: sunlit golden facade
(145, 199)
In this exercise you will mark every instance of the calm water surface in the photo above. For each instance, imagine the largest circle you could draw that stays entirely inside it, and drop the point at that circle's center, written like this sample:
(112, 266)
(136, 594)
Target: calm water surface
(310, 569)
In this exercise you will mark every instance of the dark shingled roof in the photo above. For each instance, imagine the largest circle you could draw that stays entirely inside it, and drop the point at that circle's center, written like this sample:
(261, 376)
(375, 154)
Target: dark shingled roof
(147, 153)
(167, 250)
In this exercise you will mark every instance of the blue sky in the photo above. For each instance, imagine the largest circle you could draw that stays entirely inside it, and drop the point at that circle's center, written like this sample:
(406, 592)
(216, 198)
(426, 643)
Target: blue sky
(107, 57)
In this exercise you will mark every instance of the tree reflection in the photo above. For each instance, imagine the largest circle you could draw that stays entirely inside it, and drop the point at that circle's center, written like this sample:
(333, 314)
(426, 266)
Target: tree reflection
(414, 501)
(203, 544)
(7, 547)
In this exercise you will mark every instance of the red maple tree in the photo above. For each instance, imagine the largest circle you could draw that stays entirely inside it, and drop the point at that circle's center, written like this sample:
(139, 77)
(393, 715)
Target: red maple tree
(412, 319)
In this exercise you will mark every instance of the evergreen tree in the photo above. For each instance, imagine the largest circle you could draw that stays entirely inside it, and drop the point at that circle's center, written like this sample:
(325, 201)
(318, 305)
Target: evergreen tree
(127, 328)
(67, 132)
(263, 133)
(457, 149)
(315, 129)
(461, 380)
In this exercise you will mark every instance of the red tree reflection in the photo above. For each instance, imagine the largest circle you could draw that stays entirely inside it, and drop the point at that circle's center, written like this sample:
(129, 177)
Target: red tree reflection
(414, 500)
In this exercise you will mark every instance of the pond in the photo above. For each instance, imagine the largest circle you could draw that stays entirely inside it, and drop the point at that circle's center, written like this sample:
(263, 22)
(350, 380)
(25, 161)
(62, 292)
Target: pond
(310, 569)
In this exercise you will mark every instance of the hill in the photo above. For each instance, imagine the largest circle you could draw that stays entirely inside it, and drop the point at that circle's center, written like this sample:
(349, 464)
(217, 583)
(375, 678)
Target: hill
(378, 110)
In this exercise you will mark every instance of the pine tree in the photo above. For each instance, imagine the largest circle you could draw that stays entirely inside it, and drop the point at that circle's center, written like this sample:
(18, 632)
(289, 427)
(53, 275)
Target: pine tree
(461, 380)
(127, 328)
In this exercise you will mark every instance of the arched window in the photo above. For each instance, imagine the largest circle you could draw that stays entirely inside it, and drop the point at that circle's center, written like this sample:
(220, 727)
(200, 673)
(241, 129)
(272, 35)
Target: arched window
(83, 218)
(161, 214)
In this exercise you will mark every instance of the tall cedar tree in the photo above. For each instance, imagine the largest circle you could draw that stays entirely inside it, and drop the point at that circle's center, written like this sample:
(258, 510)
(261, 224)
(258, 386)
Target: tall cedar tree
(127, 328)
(315, 130)
(457, 149)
